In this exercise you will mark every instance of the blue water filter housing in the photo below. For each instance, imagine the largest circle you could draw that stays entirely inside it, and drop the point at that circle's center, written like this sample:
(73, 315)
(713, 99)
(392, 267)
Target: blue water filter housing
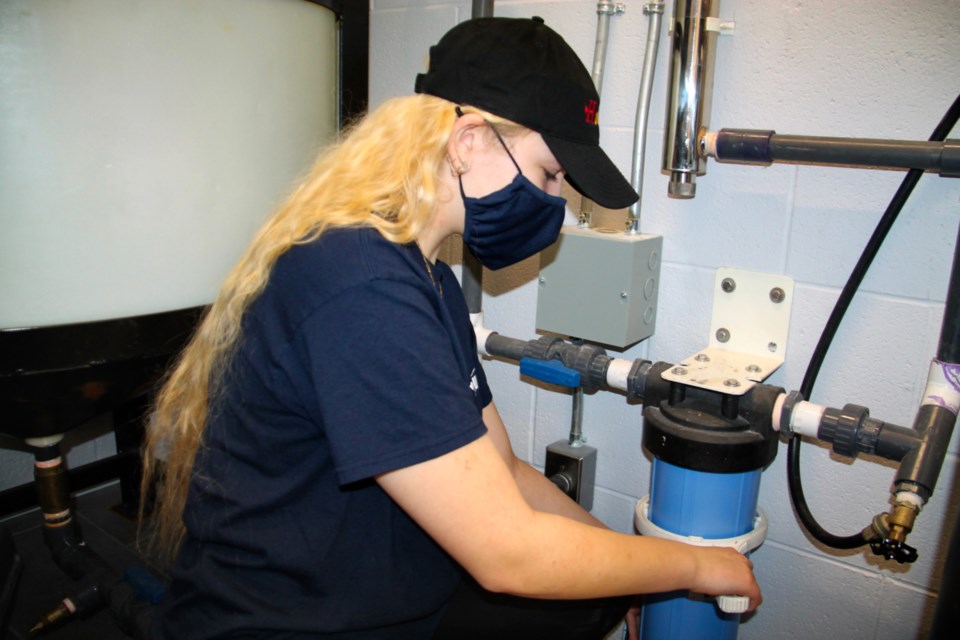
(707, 505)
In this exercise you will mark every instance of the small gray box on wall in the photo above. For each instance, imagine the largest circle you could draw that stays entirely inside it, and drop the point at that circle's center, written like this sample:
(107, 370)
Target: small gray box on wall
(600, 285)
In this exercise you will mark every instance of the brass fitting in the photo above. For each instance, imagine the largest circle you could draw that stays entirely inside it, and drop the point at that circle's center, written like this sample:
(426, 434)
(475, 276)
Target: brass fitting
(900, 520)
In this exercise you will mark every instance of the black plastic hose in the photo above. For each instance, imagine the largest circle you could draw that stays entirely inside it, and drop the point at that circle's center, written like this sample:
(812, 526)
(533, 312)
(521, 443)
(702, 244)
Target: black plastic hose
(810, 523)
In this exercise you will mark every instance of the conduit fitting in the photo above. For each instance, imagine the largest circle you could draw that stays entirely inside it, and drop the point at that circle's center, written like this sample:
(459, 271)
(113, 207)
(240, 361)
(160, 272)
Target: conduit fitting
(611, 8)
(738, 145)
(853, 431)
(637, 378)
(950, 159)
(652, 7)
(482, 333)
(783, 412)
(842, 428)
(589, 360)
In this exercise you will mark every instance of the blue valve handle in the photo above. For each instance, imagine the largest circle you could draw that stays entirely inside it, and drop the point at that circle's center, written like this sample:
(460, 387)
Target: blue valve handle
(551, 371)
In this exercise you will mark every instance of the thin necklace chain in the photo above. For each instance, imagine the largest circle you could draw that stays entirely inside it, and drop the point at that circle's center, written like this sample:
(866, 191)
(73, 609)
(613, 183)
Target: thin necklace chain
(426, 263)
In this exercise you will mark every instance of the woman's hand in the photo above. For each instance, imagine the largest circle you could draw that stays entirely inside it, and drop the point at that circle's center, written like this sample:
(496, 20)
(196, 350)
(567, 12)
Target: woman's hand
(723, 571)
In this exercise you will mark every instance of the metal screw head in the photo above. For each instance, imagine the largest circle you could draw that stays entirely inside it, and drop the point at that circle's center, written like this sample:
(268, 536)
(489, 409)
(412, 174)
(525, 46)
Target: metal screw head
(723, 335)
(777, 295)
(542, 281)
(752, 368)
(702, 357)
(772, 347)
(680, 371)
(728, 284)
(731, 382)
(623, 295)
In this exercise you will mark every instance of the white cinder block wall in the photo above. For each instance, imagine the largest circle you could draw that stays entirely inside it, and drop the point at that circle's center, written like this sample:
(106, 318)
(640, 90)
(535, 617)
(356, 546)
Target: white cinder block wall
(881, 69)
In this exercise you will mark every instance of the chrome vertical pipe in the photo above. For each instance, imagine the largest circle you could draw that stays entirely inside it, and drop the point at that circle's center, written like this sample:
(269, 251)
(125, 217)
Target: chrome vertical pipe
(655, 11)
(691, 83)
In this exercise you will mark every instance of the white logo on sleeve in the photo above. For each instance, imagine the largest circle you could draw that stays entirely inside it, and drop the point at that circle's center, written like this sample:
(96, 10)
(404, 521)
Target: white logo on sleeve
(474, 385)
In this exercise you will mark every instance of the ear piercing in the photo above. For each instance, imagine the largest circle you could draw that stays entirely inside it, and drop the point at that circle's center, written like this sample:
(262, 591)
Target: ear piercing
(457, 168)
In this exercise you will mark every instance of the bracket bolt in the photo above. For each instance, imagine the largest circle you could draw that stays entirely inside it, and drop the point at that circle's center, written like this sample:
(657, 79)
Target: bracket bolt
(777, 295)
(752, 368)
(728, 285)
(702, 357)
(731, 382)
(680, 371)
(723, 335)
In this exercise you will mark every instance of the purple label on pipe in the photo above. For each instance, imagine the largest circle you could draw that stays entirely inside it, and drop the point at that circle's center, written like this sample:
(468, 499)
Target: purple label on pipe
(952, 374)
(941, 384)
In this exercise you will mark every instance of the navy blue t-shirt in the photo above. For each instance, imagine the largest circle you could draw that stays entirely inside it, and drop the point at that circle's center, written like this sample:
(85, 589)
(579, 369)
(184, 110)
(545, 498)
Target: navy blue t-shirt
(350, 364)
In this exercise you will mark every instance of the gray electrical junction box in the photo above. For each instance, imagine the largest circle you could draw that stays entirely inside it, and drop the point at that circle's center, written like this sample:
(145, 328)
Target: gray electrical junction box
(600, 285)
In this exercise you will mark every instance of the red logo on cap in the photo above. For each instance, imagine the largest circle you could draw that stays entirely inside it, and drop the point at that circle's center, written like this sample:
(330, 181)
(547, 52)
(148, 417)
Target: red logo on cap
(591, 112)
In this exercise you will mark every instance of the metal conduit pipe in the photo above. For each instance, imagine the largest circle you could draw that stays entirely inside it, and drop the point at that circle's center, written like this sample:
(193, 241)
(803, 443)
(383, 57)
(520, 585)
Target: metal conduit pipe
(765, 147)
(655, 11)
(604, 12)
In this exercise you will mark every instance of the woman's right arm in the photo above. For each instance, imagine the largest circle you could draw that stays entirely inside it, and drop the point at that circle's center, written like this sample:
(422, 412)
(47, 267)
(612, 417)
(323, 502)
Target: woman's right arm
(468, 502)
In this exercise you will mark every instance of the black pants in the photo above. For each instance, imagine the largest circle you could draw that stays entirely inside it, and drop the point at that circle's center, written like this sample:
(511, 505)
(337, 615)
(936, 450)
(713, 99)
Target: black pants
(474, 612)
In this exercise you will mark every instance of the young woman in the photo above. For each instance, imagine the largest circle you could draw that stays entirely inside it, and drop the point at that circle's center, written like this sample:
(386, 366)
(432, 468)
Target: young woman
(330, 458)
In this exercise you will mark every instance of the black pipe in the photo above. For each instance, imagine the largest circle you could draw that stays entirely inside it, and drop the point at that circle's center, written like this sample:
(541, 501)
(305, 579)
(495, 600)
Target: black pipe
(920, 468)
(765, 147)
(504, 347)
(913, 176)
(948, 348)
(946, 615)
(482, 8)
(471, 279)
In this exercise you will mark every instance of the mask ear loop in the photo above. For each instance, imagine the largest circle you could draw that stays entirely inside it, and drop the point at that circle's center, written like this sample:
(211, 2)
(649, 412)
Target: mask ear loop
(493, 128)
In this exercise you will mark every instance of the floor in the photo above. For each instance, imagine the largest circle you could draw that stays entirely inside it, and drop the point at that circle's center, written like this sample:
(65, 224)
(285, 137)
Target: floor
(43, 585)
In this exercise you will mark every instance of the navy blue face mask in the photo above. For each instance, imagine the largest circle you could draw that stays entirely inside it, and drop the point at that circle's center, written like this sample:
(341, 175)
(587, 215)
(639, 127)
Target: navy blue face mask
(513, 223)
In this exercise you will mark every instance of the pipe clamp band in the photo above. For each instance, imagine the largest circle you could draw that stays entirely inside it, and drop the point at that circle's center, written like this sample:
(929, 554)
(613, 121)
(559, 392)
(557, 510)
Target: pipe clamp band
(743, 544)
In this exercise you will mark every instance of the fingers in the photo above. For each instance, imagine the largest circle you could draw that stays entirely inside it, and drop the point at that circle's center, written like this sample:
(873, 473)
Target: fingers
(724, 571)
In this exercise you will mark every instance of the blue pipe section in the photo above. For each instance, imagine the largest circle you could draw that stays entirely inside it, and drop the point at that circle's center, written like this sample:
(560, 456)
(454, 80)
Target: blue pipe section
(706, 505)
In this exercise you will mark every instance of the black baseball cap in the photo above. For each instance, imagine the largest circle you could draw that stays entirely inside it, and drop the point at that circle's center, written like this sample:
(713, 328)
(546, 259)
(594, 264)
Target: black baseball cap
(522, 70)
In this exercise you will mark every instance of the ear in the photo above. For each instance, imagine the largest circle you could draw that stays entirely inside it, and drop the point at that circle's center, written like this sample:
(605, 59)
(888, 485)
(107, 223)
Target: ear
(464, 140)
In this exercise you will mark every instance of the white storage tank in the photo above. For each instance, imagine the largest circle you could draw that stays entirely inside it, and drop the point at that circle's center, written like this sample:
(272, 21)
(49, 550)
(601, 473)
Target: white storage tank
(142, 142)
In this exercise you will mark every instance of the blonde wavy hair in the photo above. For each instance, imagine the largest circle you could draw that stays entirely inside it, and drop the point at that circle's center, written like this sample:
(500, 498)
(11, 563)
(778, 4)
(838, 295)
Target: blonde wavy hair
(384, 173)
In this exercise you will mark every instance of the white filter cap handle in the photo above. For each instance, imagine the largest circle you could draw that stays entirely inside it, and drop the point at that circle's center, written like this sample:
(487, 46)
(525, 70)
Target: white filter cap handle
(733, 604)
